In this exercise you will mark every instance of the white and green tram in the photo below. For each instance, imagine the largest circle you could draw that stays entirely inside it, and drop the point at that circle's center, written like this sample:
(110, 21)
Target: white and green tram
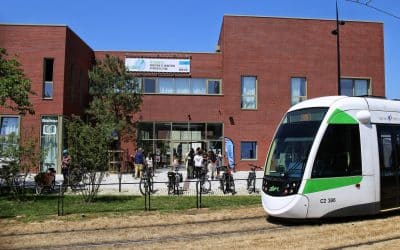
(334, 156)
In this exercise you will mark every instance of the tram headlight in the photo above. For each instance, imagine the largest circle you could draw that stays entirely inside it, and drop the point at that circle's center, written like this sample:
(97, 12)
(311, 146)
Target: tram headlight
(295, 186)
(265, 185)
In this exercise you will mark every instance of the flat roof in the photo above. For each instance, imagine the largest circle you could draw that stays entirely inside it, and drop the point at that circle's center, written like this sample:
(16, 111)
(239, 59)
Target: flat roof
(302, 18)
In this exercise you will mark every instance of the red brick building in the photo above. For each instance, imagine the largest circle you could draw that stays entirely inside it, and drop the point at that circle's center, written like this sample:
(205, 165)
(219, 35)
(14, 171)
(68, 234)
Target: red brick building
(261, 67)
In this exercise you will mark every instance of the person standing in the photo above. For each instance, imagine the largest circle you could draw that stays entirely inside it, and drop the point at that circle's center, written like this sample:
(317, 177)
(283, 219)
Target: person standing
(149, 163)
(65, 166)
(219, 163)
(212, 163)
(190, 163)
(139, 161)
(198, 163)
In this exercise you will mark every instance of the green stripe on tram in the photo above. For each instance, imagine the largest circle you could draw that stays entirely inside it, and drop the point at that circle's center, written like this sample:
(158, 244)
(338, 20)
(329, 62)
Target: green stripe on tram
(322, 184)
(341, 117)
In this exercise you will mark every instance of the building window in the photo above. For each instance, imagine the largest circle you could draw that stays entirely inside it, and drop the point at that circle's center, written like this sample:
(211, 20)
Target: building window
(8, 125)
(174, 139)
(181, 86)
(354, 87)
(71, 86)
(166, 85)
(48, 78)
(248, 150)
(49, 142)
(198, 86)
(249, 92)
(298, 90)
(213, 87)
(149, 85)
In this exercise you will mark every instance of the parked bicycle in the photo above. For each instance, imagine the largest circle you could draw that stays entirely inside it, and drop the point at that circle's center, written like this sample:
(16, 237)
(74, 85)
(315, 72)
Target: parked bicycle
(77, 178)
(45, 181)
(251, 179)
(227, 183)
(174, 178)
(146, 183)
(205, 183)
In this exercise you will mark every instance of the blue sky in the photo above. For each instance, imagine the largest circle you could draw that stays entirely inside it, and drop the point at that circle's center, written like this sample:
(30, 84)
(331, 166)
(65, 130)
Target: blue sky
(192, 25)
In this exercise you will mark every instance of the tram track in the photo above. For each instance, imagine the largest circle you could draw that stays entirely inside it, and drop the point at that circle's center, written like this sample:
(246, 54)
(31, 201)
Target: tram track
(165, 239)
(2, 235)
(240, 228)
(138, 233)
(366, 243)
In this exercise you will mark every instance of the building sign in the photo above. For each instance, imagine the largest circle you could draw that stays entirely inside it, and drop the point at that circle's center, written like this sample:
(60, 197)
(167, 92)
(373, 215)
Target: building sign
(159, 65)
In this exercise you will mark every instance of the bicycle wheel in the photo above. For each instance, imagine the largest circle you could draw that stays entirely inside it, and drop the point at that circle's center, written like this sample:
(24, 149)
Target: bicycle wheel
(39, 189)
(206, 186)
(151, 184)
(75, 177)
(171, 187)
(232, 187)
(251, 185)
(176, 187)
(143, 186)
(223, 185)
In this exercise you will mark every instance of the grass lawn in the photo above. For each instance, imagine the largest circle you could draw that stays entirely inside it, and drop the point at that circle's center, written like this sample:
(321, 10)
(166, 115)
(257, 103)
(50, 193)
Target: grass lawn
(37, 208)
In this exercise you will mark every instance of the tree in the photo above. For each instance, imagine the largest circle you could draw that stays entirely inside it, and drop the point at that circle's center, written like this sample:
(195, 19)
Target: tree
(17, 159)
(14, 86)
(88, 149)
(116, 97)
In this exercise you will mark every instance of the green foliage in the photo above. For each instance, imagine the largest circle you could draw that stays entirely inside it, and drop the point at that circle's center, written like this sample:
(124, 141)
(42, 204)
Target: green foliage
(14, 86)
(116, 97)
(18, 159)
(88, 150)
(87, 145)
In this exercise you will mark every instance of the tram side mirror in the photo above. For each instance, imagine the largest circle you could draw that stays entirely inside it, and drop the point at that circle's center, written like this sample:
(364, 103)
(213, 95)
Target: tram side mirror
(364, 116)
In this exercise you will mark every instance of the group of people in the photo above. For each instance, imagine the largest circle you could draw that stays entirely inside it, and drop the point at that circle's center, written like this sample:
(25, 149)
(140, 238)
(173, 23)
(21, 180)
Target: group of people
(197, 163)
(201, 162)
(142, 160)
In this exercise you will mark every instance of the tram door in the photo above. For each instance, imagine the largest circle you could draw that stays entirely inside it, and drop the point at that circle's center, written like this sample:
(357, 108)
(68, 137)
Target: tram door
(389, 158)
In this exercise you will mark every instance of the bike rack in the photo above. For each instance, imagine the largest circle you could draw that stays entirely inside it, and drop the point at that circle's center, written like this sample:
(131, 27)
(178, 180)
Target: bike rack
(147, 196)
(147, 193)
(60, 201)
(198, 194)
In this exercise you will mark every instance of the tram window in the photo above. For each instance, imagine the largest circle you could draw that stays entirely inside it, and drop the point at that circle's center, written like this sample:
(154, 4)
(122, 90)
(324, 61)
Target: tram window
(339, 153)
(389, 148)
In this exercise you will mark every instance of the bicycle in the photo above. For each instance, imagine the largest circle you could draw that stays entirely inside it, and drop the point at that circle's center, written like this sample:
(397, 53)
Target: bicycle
(45, 181)
(205, 183)
(227, 183)
(251, 179)
(77, 178)
(174, 178)
(146, 183)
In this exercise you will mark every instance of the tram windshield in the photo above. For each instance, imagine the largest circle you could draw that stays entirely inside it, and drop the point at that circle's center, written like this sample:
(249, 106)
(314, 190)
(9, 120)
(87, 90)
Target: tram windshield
(292, 143)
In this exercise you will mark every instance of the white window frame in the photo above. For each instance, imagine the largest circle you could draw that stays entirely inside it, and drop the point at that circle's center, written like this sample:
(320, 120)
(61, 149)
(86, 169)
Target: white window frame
(300, 97)
(242, 95)
(353, 79)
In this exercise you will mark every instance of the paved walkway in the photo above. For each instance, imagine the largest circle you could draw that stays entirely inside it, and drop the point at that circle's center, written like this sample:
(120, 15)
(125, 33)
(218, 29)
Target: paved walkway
(130, 185)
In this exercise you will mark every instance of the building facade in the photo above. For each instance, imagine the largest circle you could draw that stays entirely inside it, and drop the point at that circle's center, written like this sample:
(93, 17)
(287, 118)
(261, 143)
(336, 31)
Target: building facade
(262, 66)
